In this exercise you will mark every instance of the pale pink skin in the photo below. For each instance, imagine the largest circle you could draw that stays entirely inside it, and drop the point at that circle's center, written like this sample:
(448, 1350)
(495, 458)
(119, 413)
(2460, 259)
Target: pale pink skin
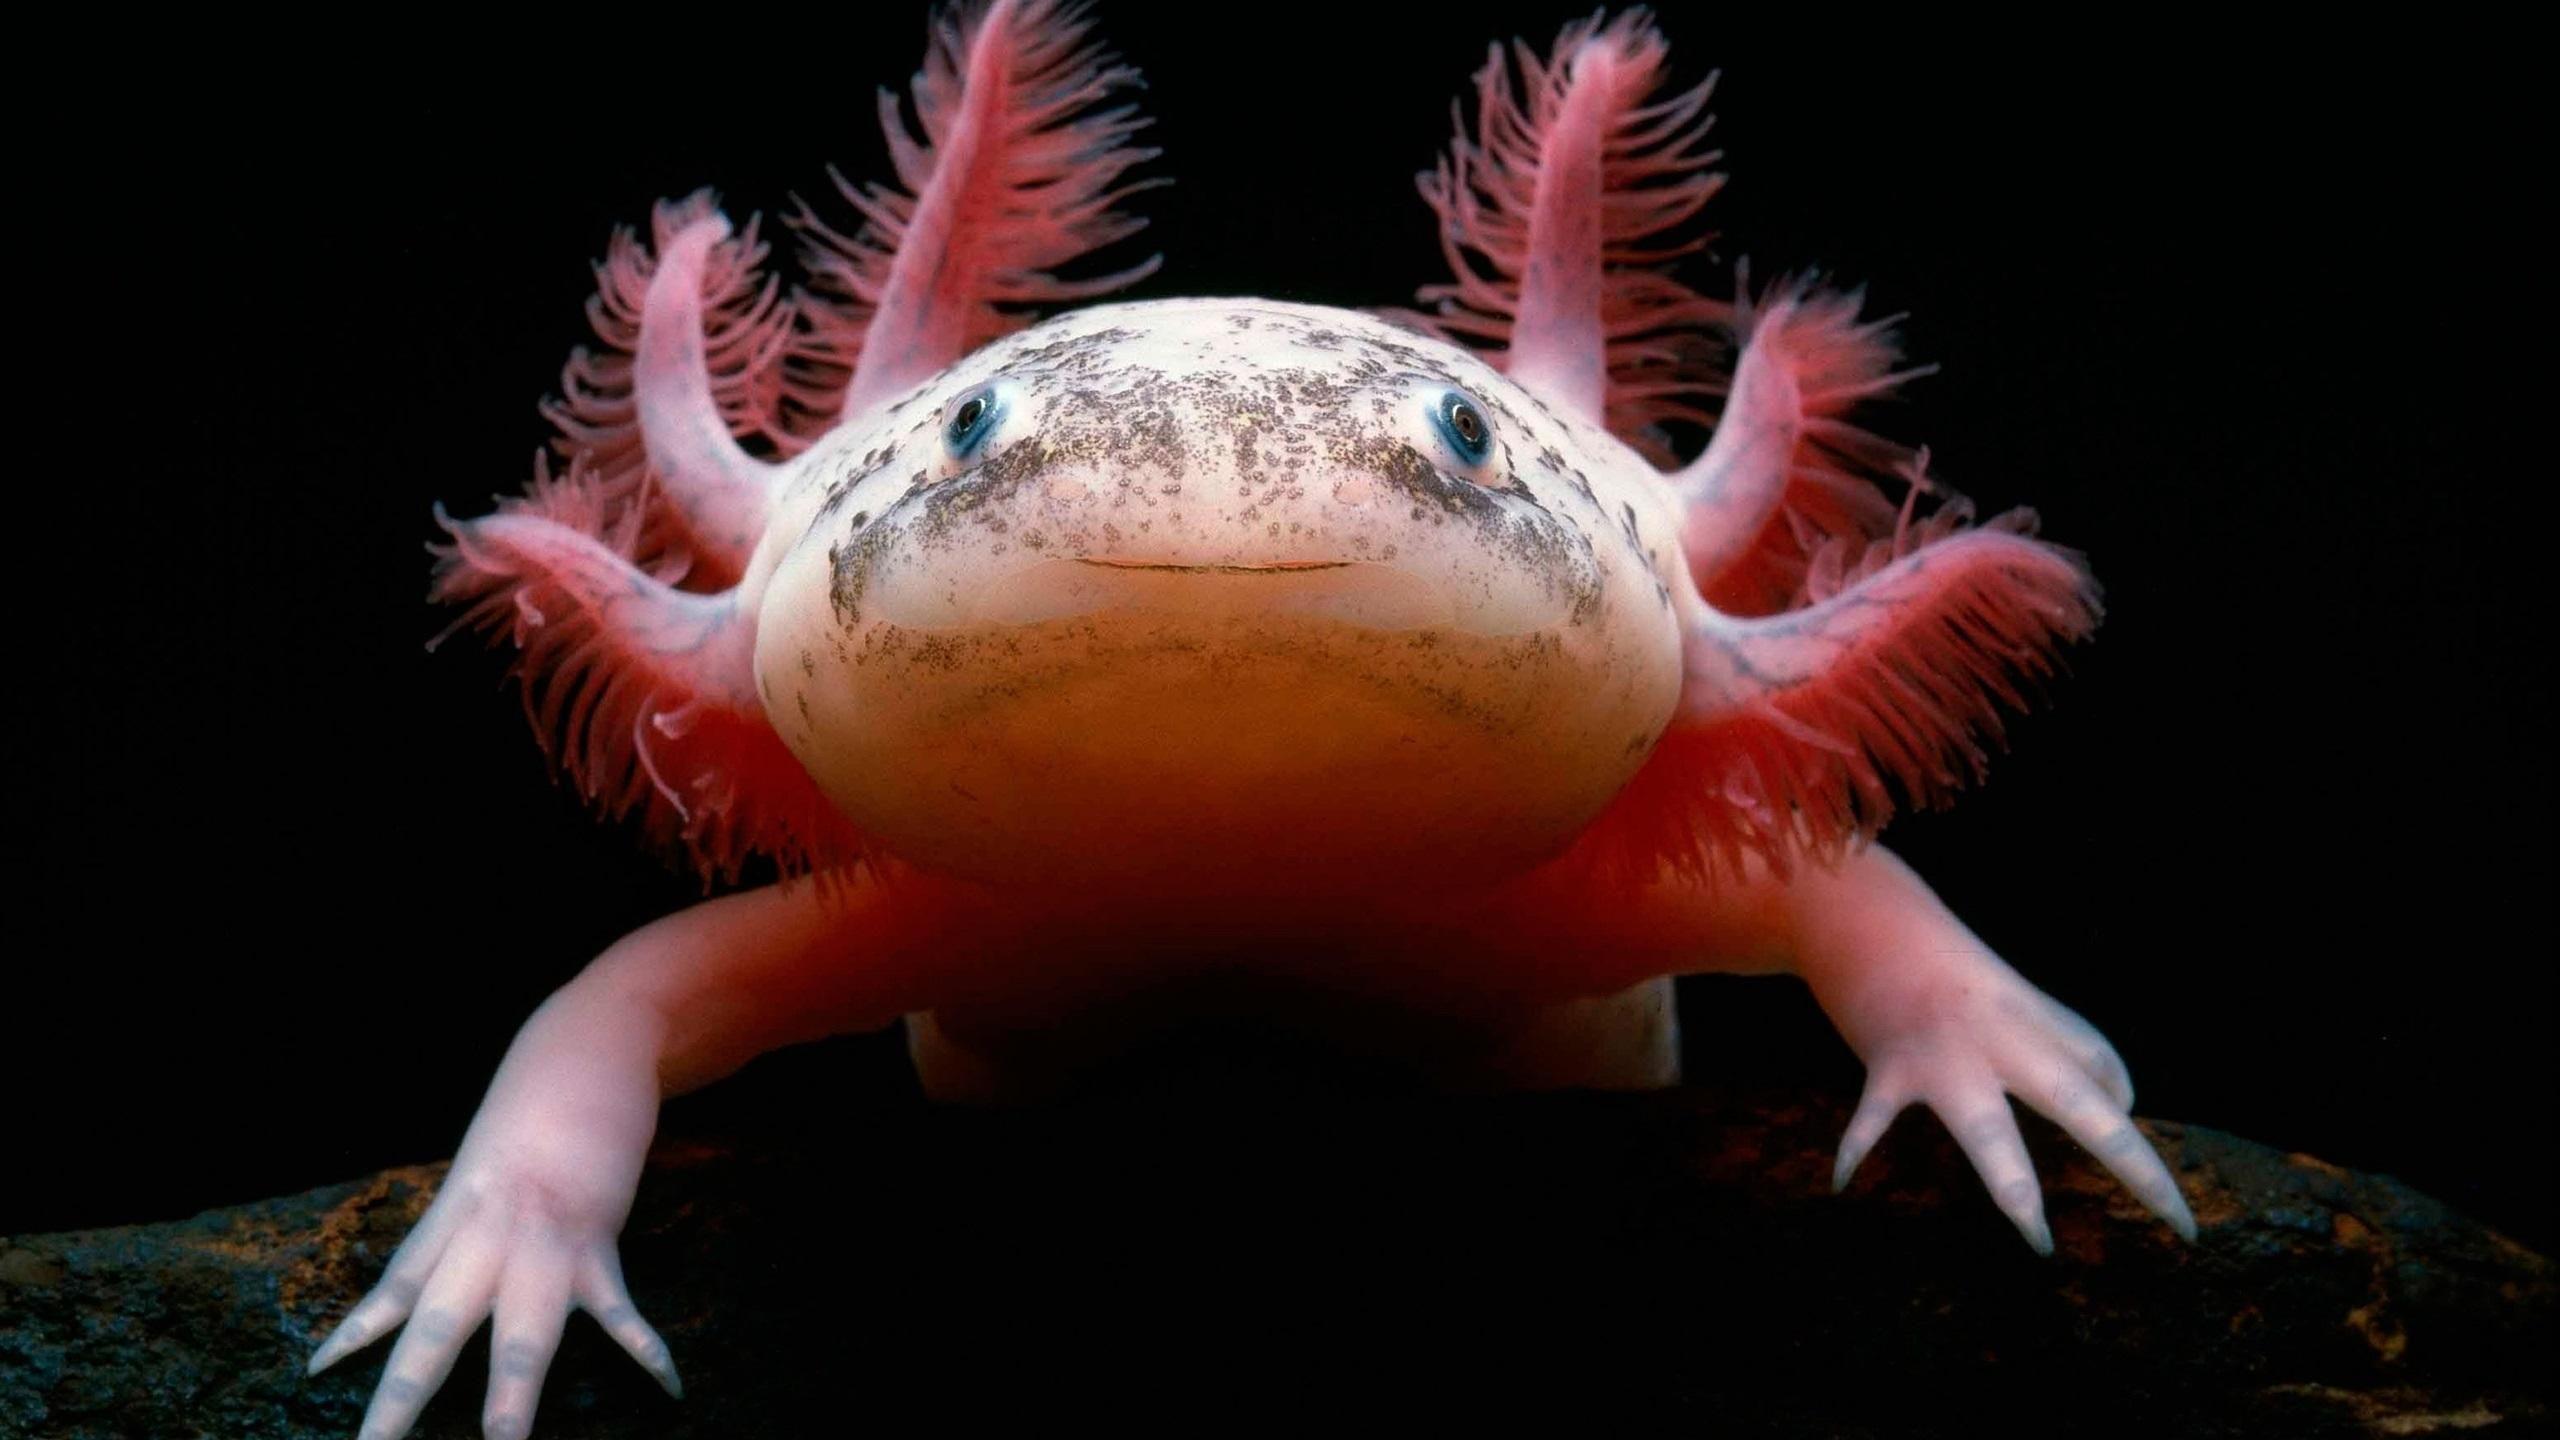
(1216, 659)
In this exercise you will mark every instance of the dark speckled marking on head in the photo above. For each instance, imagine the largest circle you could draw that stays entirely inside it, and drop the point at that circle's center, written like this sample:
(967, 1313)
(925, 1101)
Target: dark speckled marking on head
(841, 488)
(850, 564)
(1394, 461)
(1124, 414)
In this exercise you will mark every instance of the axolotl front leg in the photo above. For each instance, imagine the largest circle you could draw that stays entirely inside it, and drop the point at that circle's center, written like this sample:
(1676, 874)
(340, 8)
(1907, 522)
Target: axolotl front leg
(523, 1229)
(1942, 1021)
(1937, 1017)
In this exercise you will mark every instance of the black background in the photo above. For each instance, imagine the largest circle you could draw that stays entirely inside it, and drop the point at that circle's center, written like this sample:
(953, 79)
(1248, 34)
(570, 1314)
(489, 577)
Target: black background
(2235, 312)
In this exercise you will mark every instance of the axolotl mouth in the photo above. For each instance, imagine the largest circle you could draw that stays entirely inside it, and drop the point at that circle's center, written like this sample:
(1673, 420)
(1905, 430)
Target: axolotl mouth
(1275, 567)
(1367, 595)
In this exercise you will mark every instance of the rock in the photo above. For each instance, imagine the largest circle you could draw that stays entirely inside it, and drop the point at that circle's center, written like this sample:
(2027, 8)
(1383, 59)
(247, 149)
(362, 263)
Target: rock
(1574, 1263)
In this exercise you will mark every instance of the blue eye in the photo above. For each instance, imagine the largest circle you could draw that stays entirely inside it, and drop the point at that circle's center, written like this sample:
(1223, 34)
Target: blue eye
(1463, 425)
(967, 420)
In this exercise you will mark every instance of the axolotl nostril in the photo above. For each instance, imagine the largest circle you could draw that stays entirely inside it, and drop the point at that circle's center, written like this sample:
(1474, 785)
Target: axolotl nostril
(1389, 657)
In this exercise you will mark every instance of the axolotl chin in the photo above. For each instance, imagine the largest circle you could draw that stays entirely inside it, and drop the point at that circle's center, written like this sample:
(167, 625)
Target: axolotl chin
(1063, 668)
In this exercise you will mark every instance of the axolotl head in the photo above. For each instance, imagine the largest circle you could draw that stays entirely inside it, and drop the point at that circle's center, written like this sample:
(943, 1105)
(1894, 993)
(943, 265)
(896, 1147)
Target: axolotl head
(1219, 589)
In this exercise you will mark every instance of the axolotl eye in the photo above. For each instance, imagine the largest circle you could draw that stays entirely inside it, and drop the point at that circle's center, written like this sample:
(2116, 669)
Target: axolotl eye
(970, 418)
(1462, 423)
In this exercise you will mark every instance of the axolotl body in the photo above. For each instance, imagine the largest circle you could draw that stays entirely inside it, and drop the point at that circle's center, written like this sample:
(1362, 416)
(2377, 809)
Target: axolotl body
(1192, 653)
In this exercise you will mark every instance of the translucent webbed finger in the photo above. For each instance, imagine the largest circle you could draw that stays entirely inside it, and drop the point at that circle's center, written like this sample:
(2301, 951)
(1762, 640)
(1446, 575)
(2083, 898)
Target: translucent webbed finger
(524, 1331)
(451, 1307)
(1885, 1098)
(2103, 1127)
(601, 1291)
(388, 1302)
(2049, 1019)
(1978, 1116)
(2107, 1068)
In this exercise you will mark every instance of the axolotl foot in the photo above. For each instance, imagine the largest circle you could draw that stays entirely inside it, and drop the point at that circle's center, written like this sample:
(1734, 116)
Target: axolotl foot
(1938, 1018)
(1989, 1036)
(1941, 1021)
(523, 1229)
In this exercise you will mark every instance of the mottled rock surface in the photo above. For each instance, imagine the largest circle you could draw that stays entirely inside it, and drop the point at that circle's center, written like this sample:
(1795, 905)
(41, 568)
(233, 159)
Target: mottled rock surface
(1571, 1263)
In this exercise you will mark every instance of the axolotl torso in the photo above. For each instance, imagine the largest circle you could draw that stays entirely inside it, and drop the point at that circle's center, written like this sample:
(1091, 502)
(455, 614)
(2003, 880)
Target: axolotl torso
(1187, 654)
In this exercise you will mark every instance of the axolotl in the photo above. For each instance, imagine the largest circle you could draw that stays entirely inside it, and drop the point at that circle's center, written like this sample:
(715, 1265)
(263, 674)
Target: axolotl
(1384, 667)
